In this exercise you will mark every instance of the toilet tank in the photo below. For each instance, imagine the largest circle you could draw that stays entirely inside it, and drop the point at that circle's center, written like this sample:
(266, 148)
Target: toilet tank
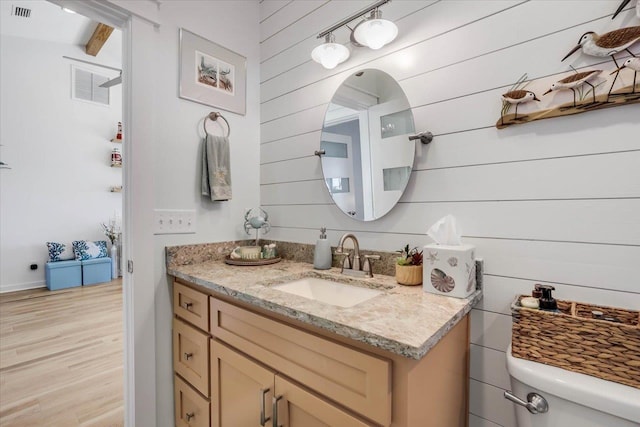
(574, 399)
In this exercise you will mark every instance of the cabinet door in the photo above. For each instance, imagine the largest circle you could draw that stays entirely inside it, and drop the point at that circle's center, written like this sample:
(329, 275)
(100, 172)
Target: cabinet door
(241, 389)
(191, 409)
(191, 355)
(191, 305)
(358, 380)
(299, 408)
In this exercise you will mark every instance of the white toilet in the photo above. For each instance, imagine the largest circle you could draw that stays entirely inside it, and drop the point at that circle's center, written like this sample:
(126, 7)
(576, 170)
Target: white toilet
(574, 400)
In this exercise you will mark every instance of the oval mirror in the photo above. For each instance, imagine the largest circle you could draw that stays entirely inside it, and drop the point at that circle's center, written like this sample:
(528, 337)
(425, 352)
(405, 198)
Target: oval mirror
(367, 156)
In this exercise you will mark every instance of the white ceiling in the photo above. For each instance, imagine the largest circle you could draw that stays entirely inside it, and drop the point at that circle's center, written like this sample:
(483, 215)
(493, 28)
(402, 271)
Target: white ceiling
(49, 22)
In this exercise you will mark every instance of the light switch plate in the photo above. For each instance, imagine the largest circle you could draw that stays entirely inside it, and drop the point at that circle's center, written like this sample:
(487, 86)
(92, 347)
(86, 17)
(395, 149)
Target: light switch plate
(174, 221)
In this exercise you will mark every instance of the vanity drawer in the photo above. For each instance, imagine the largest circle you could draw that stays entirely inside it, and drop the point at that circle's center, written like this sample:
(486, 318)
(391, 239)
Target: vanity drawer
(191, 305)
(357, 380)
(192, 410)
(191, 355)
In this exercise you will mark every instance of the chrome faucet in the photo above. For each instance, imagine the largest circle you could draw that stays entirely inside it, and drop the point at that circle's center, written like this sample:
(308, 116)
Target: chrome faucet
(354, 266)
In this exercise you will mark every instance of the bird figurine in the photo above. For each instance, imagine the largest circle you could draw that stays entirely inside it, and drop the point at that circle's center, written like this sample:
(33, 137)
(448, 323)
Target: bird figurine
(623, 5)
(518, 97)
(574, 81)
(634, 64)
(607, 44)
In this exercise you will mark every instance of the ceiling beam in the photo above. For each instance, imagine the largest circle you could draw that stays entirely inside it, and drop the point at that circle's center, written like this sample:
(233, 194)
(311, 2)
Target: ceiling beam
(98, 39)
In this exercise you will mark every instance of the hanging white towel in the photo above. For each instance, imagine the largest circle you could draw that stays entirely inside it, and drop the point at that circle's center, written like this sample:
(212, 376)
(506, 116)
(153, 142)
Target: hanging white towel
(216, 168)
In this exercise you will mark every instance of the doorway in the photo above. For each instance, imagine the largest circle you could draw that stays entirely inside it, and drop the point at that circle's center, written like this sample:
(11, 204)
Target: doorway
(37, 145)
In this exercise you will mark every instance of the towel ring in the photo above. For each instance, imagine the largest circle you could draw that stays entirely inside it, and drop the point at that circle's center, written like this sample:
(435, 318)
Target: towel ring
(213, 116)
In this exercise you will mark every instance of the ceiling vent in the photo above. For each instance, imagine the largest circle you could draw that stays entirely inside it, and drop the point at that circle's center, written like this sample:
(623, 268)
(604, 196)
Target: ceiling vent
(21, 11)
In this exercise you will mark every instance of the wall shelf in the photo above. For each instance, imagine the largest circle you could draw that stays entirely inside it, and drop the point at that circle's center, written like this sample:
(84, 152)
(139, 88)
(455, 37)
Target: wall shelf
(116, 189)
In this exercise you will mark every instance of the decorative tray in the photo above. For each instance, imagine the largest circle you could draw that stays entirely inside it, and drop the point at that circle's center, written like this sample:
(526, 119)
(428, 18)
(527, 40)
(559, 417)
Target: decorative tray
(265, 261)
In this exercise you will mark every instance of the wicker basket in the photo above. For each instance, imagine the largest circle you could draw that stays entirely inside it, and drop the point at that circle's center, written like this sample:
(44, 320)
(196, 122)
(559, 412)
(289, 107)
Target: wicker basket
(573, 340)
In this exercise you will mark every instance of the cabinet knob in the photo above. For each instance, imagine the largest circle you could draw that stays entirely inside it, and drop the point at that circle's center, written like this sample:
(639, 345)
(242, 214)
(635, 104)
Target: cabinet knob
(188, 356)
(187, 305)
(189, 415)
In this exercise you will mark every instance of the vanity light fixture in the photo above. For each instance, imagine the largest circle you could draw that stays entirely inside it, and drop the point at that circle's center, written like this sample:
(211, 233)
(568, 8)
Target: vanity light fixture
(330, 53)
(373, 32)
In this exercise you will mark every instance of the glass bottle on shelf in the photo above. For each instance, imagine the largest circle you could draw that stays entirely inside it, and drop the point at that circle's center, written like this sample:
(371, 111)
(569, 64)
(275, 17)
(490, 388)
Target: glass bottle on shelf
(116, 157)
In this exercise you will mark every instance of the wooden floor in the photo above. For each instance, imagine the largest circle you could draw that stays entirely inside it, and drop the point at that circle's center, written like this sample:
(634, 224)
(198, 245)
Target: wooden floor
(61, 357)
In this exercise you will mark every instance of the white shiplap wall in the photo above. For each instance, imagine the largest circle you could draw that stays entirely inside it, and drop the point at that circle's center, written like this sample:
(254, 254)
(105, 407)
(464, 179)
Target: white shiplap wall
(554, 201)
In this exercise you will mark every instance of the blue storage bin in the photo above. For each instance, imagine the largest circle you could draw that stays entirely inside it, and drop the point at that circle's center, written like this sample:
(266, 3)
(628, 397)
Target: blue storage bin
(63, 274)
(96, 270)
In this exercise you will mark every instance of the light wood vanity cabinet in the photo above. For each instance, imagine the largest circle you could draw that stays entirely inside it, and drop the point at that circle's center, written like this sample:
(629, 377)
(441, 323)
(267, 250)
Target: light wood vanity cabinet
(358, 381)
(246, 390)
(259, 363)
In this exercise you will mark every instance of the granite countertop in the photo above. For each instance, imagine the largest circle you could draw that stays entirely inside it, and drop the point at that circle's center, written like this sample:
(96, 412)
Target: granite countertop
(403, 320)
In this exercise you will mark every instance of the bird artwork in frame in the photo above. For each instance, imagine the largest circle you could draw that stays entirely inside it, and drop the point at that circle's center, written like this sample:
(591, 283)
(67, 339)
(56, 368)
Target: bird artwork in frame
(580, 90)
(211, 74)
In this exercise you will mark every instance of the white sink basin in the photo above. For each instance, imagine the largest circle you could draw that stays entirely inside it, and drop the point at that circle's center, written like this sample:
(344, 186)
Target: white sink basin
(328, 292)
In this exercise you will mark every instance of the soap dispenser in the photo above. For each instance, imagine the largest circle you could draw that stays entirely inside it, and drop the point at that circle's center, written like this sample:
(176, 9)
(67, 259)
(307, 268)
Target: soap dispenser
(547, 302)
(322, 256)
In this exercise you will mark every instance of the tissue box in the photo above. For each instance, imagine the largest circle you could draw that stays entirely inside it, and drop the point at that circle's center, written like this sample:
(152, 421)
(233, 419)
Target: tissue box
(449, 270)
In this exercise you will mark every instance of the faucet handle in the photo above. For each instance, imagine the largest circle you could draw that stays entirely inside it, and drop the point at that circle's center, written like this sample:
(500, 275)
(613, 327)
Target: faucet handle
(346, 260)
(367, 267)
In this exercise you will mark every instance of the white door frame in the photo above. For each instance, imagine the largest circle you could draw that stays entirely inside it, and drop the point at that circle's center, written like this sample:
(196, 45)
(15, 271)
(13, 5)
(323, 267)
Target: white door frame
(138, 293)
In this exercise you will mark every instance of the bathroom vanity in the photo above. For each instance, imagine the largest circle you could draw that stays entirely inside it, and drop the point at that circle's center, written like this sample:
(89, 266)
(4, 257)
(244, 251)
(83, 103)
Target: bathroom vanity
(246, 353)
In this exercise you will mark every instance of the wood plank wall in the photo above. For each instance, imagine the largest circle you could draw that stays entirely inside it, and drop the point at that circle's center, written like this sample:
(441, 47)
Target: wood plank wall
(554, 201)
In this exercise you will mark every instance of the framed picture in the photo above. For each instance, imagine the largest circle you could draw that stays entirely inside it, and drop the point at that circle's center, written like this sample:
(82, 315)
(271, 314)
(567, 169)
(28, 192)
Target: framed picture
(211, 74)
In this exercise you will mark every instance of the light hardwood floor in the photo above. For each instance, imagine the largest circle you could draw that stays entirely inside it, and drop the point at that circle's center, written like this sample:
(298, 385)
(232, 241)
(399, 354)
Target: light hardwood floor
(61, 357)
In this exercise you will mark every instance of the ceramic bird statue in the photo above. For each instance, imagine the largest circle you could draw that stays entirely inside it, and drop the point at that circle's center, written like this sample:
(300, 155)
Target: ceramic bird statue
(518, 97)
(607, 44)
(623, 5)
(633, 64)
(574, 81)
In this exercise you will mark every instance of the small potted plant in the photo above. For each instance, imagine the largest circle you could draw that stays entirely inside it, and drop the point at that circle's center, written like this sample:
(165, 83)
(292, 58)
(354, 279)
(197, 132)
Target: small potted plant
(409, 267)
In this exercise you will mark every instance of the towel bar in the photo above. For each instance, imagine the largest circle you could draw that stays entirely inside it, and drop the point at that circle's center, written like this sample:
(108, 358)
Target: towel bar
(213, 116)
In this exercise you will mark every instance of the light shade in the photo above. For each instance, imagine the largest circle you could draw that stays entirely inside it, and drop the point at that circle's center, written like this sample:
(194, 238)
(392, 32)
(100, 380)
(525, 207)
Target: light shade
(375, 32)
(330, 54)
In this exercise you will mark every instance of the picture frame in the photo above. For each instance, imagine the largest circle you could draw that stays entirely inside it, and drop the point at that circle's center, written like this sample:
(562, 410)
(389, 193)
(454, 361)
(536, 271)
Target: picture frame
(211, 74)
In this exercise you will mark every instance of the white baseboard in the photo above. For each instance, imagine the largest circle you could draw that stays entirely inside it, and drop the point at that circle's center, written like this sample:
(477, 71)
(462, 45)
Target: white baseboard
(22, 286)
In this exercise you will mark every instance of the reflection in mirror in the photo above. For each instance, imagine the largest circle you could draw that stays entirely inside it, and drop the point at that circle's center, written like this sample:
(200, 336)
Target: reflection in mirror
(368, 159)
